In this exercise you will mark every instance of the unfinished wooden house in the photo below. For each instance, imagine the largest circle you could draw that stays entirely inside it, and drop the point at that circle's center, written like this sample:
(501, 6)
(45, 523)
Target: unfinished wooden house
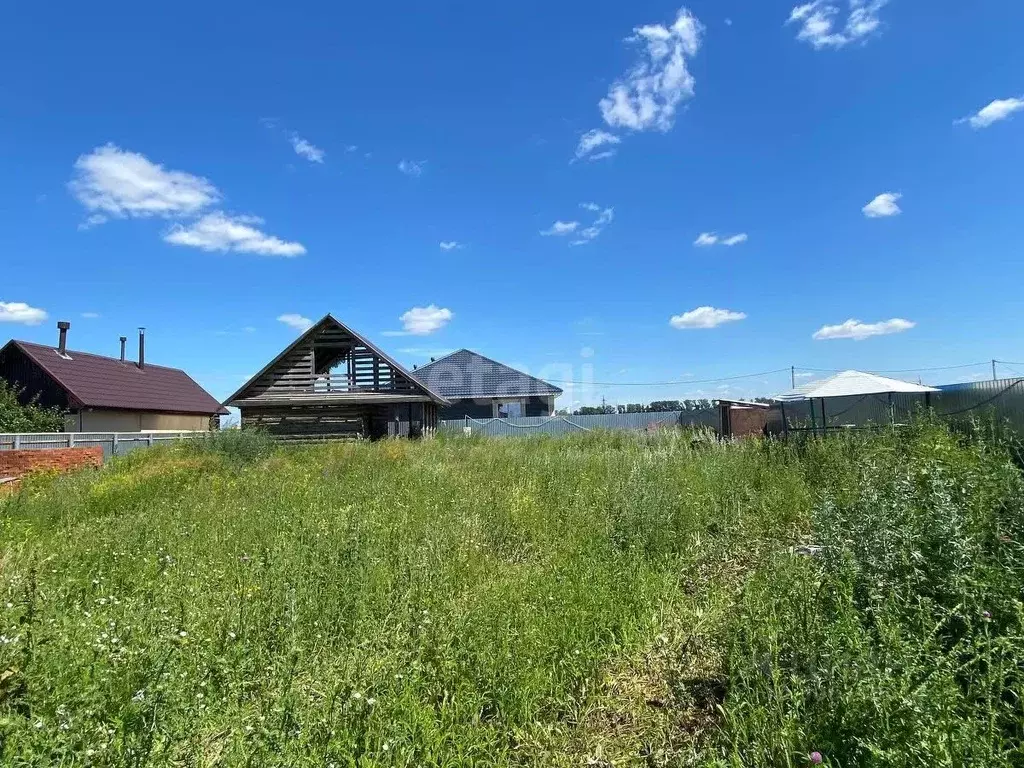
(333, 383)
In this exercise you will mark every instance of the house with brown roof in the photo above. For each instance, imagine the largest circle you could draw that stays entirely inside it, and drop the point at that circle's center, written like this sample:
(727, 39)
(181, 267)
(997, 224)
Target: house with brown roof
(107, 394)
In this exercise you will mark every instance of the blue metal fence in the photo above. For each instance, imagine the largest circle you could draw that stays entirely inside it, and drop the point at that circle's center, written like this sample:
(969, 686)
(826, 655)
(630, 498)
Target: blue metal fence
(561, 425)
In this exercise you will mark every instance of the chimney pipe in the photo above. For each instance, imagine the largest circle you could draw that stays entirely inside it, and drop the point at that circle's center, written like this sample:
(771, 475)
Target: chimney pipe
(62, 345)
(123, 340)
(142, 348)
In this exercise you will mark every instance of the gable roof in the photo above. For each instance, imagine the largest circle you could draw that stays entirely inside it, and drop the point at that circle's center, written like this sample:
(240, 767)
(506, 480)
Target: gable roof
(95, 381)
(315, 328)
(466, 374)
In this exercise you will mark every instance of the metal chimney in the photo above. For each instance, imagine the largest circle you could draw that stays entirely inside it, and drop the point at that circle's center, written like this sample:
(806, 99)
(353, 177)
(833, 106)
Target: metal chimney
(62, 345)
(142, 348)
(124, 339)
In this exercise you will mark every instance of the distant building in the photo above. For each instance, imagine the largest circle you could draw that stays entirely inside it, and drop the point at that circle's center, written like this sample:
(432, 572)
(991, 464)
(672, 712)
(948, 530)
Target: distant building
(481, 388)
(107, 394)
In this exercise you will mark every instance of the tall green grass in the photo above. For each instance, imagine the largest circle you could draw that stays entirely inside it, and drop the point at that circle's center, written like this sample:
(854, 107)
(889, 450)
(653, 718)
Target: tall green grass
(603, 599)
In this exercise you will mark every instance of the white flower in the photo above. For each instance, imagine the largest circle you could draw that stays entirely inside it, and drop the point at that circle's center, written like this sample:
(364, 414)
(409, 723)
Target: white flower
(140, 695)
(182, 633)
(357, 695)
(371, 701)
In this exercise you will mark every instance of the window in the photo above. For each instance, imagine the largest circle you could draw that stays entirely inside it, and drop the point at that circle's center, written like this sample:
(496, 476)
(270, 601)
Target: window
(511, 410)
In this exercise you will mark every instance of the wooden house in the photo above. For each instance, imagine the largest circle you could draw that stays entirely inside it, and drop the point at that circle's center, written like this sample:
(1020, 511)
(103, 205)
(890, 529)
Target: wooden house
(333, 383)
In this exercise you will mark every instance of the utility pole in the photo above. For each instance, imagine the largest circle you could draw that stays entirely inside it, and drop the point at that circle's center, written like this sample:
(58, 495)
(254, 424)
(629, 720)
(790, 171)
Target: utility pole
(792, 376)
(993, 370)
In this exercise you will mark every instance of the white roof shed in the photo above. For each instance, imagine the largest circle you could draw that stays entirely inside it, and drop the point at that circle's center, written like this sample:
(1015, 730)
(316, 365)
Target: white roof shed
(851, 383)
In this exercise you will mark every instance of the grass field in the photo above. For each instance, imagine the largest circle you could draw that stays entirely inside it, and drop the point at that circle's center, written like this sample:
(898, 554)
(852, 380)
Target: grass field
(594, 600)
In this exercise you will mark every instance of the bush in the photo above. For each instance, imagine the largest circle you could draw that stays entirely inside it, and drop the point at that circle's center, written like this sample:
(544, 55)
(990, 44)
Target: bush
(31, 417)
(236, 445)
(900, 643)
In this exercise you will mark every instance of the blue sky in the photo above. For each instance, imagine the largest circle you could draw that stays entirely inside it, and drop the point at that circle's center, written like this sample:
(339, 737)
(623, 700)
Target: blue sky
(207, 170)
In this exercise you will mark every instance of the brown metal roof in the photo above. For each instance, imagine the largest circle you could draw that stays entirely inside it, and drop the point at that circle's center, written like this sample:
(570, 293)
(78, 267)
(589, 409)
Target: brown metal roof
(95, 381)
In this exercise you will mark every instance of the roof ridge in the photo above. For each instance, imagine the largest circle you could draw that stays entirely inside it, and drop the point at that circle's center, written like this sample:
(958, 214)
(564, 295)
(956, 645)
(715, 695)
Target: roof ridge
(101, 357)
(444, 357)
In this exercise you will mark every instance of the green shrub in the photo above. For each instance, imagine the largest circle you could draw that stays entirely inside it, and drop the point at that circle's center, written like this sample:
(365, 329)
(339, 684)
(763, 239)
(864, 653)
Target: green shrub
(31, 417)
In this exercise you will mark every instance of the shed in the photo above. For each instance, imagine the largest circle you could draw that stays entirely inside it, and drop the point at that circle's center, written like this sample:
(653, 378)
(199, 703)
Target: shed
(848, 384)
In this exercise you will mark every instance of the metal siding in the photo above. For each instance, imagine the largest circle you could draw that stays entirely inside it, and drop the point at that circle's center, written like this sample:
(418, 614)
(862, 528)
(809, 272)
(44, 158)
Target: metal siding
(1002, 400)
(561, 425)
(113, 443)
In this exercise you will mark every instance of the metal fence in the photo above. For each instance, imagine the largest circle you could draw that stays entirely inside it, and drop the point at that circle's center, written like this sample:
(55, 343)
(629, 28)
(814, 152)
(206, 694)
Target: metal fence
(561, 425)
(112, 443)
(1001, 400)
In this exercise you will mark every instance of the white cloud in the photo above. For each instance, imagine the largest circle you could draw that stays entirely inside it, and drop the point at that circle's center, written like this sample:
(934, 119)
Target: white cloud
(90, 315)
(412, 167)
(855, 329)
(604, 218)
(304, 149)
(422, 321)
(450, 245)
(1000, 109)
(594, 140)
(296, 321)
(707, 239)
(883, 205)
(648, 96)
(219, 232)
(110, 181)
(20, 312)
(560, 228)
(351, 148)
(817, 20)
(705, 317)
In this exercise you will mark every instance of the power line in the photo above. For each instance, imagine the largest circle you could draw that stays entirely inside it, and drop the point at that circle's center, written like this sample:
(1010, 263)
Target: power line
(687, 382)
(902, 370)
(684, 382)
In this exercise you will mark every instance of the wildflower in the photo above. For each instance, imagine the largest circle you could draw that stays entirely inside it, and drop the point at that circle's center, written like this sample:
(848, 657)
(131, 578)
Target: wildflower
(816, 758)
(357, 695)
(39, 724)
(986, 615)
(371, 701)
(182, 633)
(140, 695)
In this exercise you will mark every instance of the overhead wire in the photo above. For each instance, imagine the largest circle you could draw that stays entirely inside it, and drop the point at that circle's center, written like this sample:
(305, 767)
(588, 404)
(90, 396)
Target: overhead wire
(798, 369)
(682, 382)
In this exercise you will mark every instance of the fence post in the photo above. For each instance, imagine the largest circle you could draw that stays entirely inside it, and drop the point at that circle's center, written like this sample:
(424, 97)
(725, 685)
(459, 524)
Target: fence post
(71, 439)
(113, 444)
(17, 442)
(149, 439)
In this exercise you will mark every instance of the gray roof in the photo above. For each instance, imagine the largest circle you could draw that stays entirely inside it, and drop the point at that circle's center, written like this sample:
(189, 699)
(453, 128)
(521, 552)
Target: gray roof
(466, 374)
